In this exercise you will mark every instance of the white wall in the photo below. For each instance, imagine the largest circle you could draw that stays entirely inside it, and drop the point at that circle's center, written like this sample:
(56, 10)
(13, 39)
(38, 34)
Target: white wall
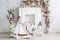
(55, 16)
(3, 19)
(54, 8)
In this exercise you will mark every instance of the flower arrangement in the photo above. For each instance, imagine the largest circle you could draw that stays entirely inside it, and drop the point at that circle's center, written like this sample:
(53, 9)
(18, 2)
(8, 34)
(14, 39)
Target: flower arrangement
(10, 17)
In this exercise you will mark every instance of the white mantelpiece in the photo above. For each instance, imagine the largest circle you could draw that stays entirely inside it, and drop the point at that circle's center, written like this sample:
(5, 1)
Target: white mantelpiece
(39, 30)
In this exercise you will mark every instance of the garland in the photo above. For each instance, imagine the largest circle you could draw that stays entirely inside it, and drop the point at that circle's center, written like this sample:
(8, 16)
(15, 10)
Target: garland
(45, 10)
(31, 3)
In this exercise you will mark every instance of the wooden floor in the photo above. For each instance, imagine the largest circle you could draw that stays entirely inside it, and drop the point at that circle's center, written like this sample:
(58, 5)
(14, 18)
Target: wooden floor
(51, 36)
